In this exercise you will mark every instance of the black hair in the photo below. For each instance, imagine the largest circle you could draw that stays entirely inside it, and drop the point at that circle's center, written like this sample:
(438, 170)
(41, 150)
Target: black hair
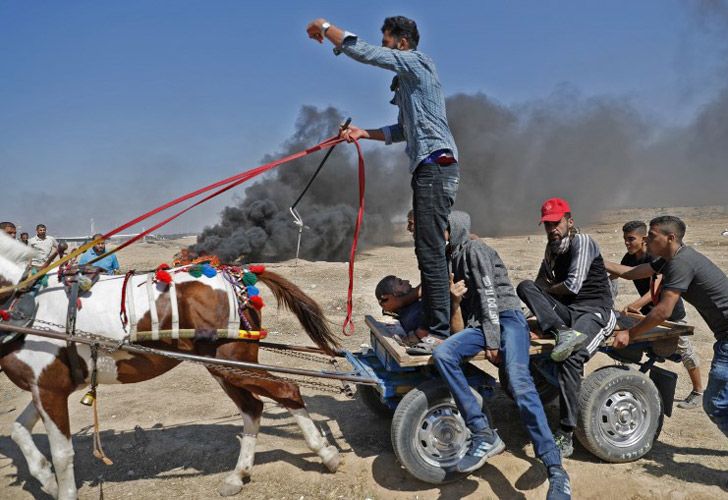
(635, 226)
(3, 225)
(385, 286)
(669, 224)
(40, 226)
(24, 233)
(402, 27)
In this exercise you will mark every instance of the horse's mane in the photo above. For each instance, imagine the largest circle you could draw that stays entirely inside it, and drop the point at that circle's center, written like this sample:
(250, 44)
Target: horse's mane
(307, 311)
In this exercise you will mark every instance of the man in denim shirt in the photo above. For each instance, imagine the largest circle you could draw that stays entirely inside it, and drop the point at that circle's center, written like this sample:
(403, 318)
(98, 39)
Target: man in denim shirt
(422, 124)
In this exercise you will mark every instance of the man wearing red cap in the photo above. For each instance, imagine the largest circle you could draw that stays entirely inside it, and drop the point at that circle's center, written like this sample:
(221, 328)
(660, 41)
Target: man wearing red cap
(572, 301)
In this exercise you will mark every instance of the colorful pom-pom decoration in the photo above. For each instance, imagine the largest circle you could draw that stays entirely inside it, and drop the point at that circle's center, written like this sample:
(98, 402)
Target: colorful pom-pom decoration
(196, 271)
(208, 270)
(249, 278)
(161, 274)
(252, 291)
(257, 269)
(256, 301)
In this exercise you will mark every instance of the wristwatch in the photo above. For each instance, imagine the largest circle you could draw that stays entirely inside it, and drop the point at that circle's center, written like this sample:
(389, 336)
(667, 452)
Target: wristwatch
(324, 27)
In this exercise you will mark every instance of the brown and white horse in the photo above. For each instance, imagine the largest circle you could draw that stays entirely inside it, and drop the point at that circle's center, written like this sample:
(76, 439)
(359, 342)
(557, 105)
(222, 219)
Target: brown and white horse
(41, 365)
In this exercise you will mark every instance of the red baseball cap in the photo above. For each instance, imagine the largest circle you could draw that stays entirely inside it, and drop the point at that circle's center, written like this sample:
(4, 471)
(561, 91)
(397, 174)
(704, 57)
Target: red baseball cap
(554, 209)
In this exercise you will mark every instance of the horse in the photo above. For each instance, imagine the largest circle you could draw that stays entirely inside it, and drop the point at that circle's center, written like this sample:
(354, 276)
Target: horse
(42, 366)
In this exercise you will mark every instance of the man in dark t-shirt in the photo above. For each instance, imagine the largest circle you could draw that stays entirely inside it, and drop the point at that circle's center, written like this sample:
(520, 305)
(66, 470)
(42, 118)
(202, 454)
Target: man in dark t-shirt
(635, 239)
(691, 275)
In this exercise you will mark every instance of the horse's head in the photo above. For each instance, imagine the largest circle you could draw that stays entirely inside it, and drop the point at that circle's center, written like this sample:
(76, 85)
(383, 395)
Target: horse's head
(14, 258)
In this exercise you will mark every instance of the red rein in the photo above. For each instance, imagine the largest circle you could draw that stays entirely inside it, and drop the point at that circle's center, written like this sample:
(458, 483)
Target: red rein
(235, 180)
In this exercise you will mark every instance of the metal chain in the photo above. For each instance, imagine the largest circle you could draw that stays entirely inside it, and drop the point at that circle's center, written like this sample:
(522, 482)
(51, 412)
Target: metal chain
(303, 382)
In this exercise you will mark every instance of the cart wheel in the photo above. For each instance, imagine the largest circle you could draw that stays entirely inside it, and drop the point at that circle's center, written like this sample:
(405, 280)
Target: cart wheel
(620, 414)
(369, 395)
(546, 390)
(428, 434)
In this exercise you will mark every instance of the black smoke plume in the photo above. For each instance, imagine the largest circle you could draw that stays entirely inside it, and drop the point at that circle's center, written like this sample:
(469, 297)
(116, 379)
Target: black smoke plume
(260, 227)
(598, 152)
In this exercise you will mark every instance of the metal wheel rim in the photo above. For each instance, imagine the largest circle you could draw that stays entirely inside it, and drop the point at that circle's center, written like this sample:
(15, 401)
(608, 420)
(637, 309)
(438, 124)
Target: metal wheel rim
(624, 418)
(441, 437)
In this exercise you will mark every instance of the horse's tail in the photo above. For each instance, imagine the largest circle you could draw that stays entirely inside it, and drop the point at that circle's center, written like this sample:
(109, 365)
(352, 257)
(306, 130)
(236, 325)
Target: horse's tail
(307, 311)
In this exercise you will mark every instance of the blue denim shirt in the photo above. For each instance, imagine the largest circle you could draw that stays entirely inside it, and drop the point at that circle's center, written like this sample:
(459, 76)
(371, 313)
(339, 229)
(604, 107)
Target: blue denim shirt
(422, 121)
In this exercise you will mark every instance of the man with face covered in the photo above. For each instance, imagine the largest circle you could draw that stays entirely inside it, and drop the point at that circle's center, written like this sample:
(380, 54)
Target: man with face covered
(422, 125)
(110, 264)
(572, 301)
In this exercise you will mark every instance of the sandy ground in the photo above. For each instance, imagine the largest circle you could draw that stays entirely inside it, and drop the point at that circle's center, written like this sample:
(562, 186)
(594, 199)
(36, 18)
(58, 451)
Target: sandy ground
(174, 437)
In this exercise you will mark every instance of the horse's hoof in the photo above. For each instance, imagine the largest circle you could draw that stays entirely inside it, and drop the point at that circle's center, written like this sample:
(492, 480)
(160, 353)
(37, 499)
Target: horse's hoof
(230, 486)
(331, 458)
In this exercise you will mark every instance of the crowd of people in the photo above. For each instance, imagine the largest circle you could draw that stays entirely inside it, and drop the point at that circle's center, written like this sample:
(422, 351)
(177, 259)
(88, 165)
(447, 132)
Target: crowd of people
(466, 302)
(47, 249)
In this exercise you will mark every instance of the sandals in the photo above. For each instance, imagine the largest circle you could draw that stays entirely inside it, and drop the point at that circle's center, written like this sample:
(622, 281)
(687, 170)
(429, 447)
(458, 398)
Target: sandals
(425, 346)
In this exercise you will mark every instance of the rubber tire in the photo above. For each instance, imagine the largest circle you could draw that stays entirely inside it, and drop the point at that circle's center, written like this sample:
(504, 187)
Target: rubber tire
(546, 391)
(410, 411)
(598, 386)
(369, 396)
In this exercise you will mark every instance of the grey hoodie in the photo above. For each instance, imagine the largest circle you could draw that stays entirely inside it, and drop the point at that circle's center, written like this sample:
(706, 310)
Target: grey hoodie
(490, 291)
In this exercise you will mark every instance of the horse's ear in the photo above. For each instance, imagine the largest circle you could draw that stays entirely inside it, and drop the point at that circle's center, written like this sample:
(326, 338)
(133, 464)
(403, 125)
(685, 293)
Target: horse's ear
(14, 258)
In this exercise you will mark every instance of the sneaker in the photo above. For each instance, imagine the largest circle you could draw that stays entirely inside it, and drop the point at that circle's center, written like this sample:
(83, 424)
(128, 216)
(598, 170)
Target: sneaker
(567, 341)
(693, 400)
(480, 451)
(564, 443)
(425, 346)
(559, 484)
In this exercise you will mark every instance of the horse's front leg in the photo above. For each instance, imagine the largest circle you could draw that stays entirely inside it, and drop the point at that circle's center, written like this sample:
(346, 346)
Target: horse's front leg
(53, 409)
(315, 439)
(251, 409)
(38, 465)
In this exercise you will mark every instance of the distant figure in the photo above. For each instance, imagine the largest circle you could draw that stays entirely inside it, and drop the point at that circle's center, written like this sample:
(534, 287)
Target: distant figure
(109, 263)
(9, 229)
(24, 238)
(46, 246)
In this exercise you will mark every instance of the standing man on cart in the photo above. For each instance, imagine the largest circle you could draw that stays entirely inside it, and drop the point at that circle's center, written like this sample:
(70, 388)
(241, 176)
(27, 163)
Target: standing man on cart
(422, 124)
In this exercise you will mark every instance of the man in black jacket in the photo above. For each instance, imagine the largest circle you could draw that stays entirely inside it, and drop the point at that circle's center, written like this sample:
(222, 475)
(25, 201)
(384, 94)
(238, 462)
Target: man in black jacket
(490, 319)
(572, 301)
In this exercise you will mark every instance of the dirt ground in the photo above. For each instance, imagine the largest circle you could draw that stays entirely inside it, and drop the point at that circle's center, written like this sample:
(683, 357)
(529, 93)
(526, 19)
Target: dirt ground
(175, 436)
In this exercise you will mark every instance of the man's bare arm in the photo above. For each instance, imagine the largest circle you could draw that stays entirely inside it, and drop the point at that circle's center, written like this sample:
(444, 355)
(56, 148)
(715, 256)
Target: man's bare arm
(628, 272)
(658, 314)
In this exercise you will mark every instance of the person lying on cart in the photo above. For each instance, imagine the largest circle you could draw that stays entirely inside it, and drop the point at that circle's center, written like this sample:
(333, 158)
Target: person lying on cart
(691, 275)
(572, 300)
(635, 239)
(400, 299)
(490, 313)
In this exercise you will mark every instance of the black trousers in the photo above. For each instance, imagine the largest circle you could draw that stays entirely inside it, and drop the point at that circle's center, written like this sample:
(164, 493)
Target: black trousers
(595, 322)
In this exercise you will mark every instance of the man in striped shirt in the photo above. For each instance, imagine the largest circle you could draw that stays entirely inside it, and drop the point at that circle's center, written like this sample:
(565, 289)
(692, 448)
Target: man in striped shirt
(572, 301)
(422, 124)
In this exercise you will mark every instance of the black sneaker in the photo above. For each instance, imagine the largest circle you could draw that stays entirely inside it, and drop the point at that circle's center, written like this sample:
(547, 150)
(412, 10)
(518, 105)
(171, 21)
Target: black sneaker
(559, 484)
(693, 400)
(480, 451)
(567, 341)
(564, 442)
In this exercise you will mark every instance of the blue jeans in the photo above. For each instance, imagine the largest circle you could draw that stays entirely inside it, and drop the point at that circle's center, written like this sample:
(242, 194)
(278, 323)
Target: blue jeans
(715, 398)
(515, 341)
(434, 188)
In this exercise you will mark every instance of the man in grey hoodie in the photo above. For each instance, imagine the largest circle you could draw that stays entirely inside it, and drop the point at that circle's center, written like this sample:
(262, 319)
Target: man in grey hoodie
(493, 322)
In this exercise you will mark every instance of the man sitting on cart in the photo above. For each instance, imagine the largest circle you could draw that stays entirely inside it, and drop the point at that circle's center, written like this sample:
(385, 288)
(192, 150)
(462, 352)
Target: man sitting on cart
(572, 301)
(691, 275)
(493, 322)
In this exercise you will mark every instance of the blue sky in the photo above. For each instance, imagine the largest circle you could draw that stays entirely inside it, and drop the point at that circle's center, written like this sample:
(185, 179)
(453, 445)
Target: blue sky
(109, 109)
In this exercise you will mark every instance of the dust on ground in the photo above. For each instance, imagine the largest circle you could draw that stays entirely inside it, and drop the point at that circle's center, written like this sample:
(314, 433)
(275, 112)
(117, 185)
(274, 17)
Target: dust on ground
(175, 436)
